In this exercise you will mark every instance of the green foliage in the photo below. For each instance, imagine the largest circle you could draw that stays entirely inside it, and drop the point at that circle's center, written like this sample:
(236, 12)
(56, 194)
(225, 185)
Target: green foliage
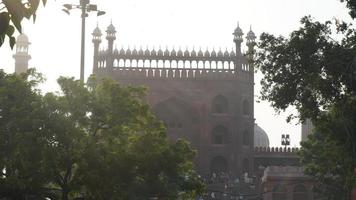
(314, 70)
(102, 142)
(21, 138)
(309, 70)
(12, 12)
(328, 154)
(351, 4)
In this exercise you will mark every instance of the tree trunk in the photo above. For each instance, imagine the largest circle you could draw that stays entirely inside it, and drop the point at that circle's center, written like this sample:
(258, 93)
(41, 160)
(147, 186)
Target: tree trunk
(65, 194)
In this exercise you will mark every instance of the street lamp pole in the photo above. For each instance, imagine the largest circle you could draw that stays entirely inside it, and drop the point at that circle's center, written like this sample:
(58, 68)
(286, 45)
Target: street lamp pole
(85, 7)
(83, 4)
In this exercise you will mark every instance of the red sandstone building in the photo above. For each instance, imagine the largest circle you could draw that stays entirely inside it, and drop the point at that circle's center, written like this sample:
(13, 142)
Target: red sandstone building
(204, 97)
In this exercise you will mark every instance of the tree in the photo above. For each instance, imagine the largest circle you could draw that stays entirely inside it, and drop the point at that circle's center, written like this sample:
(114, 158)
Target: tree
(126, 153)
(316, 73)
(21, 138)
(102, 142)
(12, 12)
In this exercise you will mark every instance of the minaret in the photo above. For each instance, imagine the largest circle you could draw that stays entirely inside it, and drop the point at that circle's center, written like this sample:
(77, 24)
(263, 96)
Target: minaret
(250, 44)
(96, 41)
(110, 36)
(238, 40)
(21, 56)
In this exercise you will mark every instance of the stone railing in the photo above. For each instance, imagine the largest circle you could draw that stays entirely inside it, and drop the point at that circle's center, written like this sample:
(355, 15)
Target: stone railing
(276, 149)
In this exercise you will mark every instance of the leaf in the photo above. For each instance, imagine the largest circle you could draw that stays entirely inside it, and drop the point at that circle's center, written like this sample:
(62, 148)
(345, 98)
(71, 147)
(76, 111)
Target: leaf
(10, 31)
(2, 39)
(44, 2)
(17, 24)
(12, 42)
(4, 22)
(16, 10)
(34, 17)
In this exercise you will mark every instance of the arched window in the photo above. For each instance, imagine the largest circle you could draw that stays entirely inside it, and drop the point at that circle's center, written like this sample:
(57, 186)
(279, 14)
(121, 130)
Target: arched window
(279, 192)
(218, 164)
(116, 63)
(246, 138)
(245, 107)
(127, 63)
(300, 192)
(219, 135)
(121, 63)
(245, 166)
(220, 104)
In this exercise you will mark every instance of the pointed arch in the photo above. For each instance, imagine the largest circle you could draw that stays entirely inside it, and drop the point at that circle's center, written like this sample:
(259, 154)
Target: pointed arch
(220, 104)
(219, 135)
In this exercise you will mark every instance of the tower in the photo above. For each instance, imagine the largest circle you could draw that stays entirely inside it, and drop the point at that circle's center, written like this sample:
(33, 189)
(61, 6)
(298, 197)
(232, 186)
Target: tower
(21, 56)
(250, 43)
(110, 36)
(96, 41)
(250, 40)
(238, 39)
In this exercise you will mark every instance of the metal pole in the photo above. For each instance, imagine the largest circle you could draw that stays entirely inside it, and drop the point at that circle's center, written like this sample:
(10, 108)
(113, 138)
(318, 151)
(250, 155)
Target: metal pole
(83, 7)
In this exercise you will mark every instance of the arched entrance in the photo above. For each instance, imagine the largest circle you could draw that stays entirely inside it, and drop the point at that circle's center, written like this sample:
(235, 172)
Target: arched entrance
(218, 164)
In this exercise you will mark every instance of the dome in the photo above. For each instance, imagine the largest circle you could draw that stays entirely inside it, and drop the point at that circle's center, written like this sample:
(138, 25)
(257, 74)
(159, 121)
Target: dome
(260, 137)
(111, 29)
(251, 35)
(22, 39)
(238, 31)
(96, 32)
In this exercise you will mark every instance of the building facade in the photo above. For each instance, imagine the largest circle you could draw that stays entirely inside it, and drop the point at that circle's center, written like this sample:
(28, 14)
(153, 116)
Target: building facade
(207, 98)
(204, 97)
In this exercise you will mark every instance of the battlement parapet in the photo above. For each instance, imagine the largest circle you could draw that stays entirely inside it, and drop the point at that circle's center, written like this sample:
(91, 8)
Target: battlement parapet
(165, 73)
(172, 59)
(276, 150)
(172, 54)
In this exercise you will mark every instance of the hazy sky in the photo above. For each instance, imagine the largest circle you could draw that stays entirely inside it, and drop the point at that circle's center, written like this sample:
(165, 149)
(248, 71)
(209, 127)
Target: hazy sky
(55, 36)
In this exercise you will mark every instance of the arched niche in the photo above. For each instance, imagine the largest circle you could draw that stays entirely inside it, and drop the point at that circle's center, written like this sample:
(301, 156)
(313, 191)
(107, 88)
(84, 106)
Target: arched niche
(219, 135)
(220, 104)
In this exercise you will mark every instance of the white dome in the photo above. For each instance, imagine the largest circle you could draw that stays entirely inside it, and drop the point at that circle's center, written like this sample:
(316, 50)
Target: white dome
(260, 137)
(22, 39)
